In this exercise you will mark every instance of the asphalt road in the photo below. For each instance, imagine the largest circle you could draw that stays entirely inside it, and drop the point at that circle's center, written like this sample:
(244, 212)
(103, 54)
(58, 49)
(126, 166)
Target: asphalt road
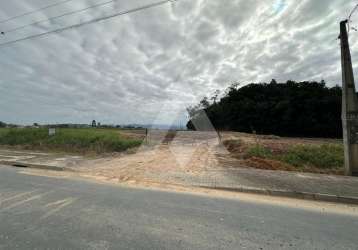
(50, 213)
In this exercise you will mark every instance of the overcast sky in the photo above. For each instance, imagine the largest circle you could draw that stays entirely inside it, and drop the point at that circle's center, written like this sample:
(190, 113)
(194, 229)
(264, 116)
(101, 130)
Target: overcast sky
(148, 66)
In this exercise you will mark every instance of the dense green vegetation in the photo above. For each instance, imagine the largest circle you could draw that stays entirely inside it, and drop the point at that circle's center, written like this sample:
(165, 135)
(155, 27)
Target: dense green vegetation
(3, 131)
(308, 109)
(326, 156)
(69, 140)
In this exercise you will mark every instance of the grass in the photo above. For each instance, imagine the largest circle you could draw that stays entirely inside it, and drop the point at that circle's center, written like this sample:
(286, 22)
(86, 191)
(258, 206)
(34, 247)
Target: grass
(326, 156)
(318, 158)
(3, 131)
(259, 151)
(68, 140)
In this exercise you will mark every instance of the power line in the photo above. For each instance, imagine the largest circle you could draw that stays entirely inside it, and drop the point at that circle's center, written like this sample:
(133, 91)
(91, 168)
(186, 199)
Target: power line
(350, 16)
(89, 22)
(349, 20)
(57, 17)
(34, 11)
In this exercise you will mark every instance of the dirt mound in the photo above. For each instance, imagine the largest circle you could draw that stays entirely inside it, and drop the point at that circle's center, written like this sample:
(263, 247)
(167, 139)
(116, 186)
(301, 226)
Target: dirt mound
(234, 146)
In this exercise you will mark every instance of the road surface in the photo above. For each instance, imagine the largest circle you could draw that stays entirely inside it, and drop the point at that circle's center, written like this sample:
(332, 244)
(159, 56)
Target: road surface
(39, 212)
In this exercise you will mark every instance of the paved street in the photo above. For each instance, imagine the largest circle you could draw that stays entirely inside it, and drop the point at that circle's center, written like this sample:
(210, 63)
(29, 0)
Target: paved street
(57, 213)
(190, 166)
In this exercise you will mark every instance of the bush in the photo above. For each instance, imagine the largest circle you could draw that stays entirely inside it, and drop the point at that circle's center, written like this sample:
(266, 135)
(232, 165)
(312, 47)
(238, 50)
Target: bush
(23, 136)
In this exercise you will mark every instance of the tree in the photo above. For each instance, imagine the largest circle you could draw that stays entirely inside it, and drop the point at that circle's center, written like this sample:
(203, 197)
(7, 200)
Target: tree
(308, 109)
(2, 124)
(204, 103)
(190, 126)
(215, 96)
(273, 81)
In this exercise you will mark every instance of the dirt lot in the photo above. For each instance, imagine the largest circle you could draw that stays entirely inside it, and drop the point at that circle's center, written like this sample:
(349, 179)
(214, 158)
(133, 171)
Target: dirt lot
(165, 157)
(185, 157)
(182, 157)
(197, 160)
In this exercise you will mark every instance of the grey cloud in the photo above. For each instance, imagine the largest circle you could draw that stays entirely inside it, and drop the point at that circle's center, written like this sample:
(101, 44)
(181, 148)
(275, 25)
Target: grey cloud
(130, 69)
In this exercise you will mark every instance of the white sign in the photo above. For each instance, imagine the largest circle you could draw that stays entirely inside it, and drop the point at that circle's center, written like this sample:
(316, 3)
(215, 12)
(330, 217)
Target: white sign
(51, 131)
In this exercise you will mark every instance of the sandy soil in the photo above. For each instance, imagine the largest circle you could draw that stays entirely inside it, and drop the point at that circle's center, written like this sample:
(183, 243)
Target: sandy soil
(184, 153)
(187, 155)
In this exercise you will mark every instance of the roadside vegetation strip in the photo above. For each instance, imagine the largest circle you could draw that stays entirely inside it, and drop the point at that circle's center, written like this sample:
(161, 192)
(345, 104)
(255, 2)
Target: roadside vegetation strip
(3, 131)
(323, 158)
(68, 140)
(328, 156)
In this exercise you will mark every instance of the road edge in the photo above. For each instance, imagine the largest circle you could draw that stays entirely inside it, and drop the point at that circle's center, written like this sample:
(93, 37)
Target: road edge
(19, 164)
(242, 189)
(291, 194)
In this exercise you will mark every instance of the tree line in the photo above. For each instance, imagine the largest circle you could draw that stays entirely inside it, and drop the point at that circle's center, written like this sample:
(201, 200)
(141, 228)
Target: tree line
(307, 109)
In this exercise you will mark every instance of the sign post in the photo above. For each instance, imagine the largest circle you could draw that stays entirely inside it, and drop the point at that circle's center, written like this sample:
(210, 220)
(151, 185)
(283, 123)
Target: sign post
(51, 131)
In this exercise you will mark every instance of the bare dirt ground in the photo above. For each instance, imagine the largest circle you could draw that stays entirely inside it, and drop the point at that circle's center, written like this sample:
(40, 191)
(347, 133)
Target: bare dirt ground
(166, 158)
(186, 157)
(276, 143)
(190, 160)
(174, 156)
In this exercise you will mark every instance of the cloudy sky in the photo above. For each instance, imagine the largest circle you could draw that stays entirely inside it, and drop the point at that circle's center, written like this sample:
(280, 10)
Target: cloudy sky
(146, 67)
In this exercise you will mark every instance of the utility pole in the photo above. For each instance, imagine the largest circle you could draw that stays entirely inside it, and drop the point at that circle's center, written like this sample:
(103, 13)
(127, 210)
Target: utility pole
(349, 106)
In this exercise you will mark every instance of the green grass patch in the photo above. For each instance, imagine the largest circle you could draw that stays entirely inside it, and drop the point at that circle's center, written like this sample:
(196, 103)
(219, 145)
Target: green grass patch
(68, 140)
(259, 151)
(326, 156)
(3, 131)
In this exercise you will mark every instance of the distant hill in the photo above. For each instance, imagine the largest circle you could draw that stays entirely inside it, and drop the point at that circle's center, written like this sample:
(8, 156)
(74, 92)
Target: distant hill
(309, 109)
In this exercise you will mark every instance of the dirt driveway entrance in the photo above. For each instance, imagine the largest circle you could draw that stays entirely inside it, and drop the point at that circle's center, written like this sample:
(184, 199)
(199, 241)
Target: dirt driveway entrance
(186, 158)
